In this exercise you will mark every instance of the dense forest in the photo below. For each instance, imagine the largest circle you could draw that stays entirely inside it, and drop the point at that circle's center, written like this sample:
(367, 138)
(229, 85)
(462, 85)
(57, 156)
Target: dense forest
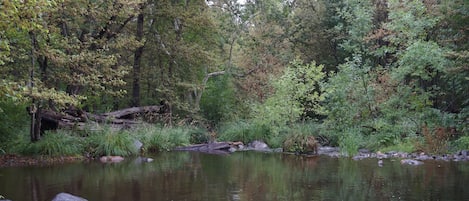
(375, 74)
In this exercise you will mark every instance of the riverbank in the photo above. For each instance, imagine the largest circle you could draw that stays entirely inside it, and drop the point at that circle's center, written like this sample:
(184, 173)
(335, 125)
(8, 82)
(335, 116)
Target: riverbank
(13, 160)
(462, 155)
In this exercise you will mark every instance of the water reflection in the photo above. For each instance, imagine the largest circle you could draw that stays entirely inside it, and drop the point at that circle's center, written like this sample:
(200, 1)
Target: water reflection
(240, 176)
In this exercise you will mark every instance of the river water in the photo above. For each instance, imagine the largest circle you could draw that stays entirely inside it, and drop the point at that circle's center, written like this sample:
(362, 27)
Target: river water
(239, 176)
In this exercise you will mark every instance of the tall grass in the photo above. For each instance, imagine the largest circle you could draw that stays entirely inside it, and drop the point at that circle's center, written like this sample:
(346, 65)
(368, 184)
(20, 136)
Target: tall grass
(351, 141)
(107, 142)
(60, 143)
(244, 131)
(157, 138)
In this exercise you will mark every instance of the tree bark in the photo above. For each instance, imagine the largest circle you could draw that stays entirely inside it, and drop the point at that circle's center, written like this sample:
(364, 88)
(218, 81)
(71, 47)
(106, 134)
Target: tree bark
(137, 61)
(77, 119)
(35, 125)
(204, 84)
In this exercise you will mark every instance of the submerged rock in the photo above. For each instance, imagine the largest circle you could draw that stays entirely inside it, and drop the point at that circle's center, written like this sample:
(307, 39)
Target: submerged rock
(67, 197)
(380, 163)
(111, 159)
(411, 162)
(143, 160)
(329, 151)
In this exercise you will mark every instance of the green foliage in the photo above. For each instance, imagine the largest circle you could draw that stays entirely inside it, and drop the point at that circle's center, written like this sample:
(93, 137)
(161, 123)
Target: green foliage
(461, 144)
(349, 96)
(218, 102)
(297, 94)
(409, 20)
(357, 22)
(14, 122)
(423, 60)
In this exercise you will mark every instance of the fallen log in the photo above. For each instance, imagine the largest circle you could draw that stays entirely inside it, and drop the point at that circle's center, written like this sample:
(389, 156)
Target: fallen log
(212, 148)
(128, 112)
(119, 119)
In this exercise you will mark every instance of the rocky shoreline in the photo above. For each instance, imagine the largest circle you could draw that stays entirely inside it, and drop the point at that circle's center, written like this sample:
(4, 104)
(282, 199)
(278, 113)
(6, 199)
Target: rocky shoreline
(406, 158)
(11, 160)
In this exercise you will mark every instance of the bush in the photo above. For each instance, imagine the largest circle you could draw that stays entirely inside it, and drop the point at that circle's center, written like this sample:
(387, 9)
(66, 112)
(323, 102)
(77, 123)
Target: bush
(434, 141)
(462, 143)
(199, 136)
(300, 144)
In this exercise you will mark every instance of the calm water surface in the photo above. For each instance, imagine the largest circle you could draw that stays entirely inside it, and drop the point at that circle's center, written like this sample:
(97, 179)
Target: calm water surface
(239, 176)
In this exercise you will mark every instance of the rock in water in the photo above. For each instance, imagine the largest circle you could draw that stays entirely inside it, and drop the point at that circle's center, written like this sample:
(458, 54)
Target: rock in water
(411, 162)
(67, 197)
(258, 145)
(380, 162)
(111, 159)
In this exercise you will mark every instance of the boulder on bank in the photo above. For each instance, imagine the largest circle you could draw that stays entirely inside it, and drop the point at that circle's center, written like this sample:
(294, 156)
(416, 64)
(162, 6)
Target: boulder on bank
(67, 197)
(258, 145)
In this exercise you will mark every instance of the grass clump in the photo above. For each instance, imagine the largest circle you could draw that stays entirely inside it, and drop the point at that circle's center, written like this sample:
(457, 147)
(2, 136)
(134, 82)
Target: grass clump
(108, 142)
(157, 138)
(59, 143)
(350, 142)
(244, 131)
(407, 146)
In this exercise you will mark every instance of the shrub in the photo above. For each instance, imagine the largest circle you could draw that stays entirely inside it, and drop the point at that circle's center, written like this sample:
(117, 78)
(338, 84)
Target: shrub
(434, 140)
(300, 144)
(462, 143)
(199, 136)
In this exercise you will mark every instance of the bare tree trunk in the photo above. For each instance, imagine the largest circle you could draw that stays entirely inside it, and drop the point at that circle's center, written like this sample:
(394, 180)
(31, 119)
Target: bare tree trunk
(35, 126)
(138, 61)
(204, 84)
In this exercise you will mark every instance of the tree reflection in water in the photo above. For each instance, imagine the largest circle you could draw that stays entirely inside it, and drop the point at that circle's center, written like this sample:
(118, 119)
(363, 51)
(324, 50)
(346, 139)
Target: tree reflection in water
(240, 176)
